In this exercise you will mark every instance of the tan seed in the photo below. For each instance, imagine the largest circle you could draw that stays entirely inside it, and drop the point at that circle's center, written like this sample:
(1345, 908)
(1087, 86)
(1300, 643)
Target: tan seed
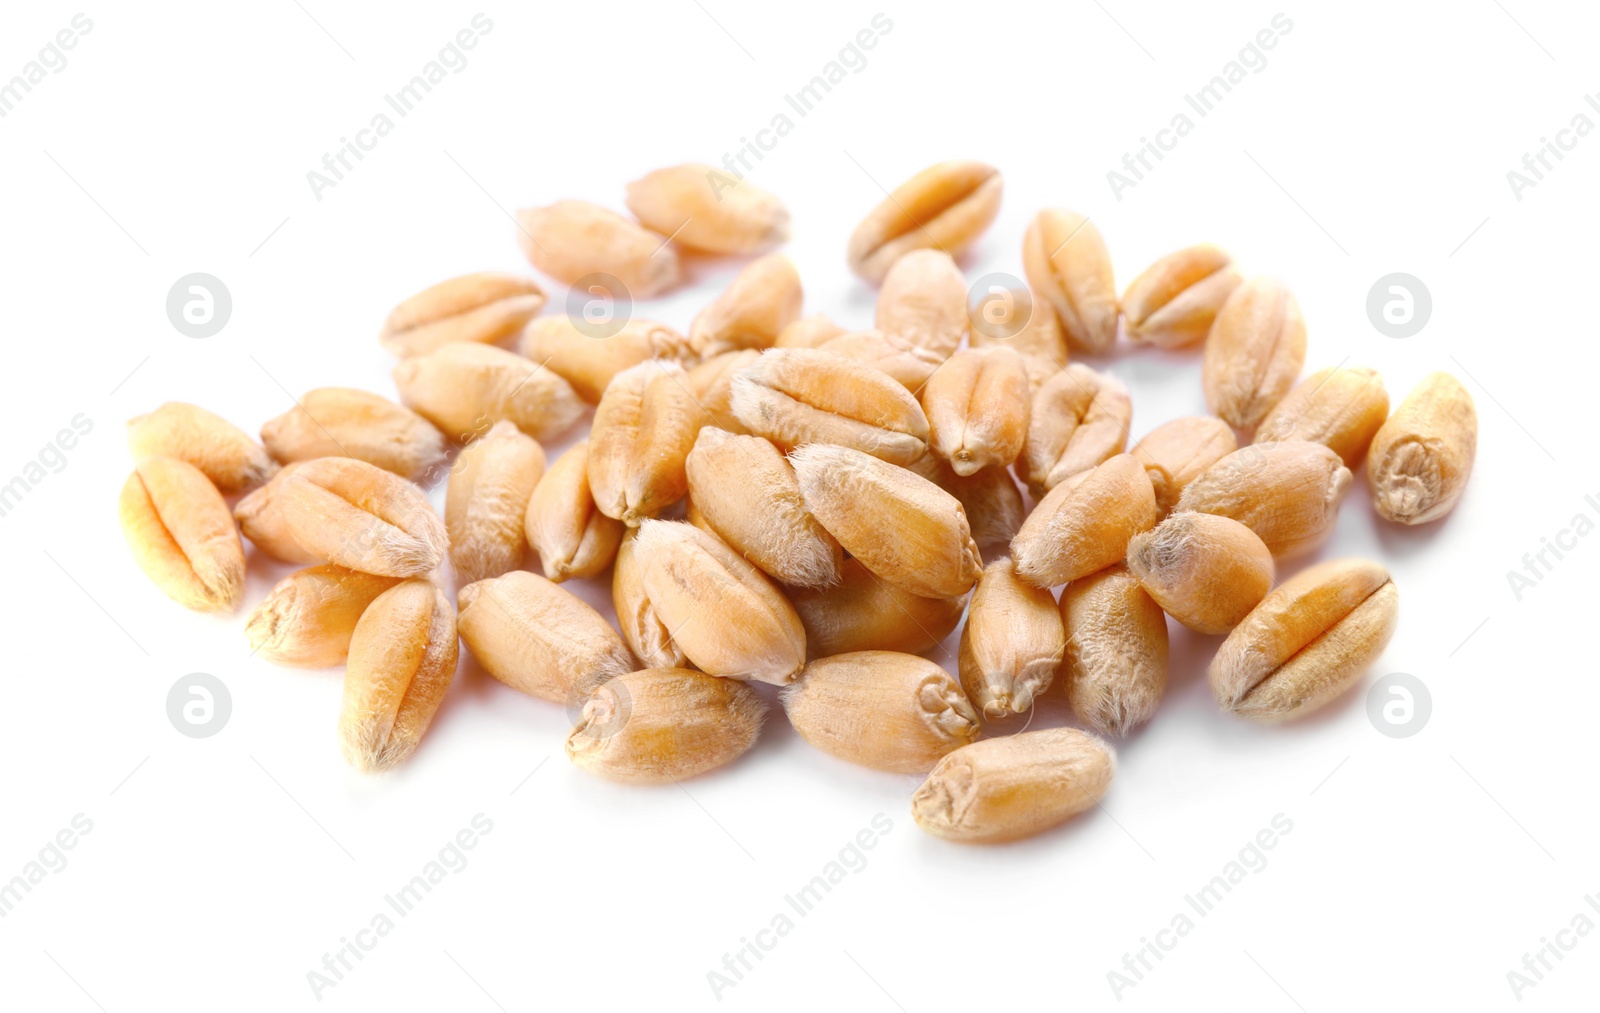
(1084, 524)
(1288, 493)
(345, 422)
(563, 525)
(1012, 643)
(1067, 263)
(706, 209)
(466, 388)
(1014, 787)
(727, 616)
(794, 396)
(1254, 352)
(643, 629)
(712, 384)
(943, 207)
(887, 711)
(663, 725)
(1116, 663)
(572, 239)
(1206, 571)
(539, 638)
(808, 332)
(1174, 301)
(223, 452)
(977, 405)
(990, 498)
(485, 307)
(866, 613)
(260, 518)
(1178, 452)
(900, 526)
(348, 512)
(909, 367)
(1307, 642)
(486, 502)
(1016, 318)
(762, 300)
(402, 658)
(1420, 460)
(182, 535)
(923, 303)
(643, 430)
(589, 360)
(746, 493)
(308, 619)
(1079, 419)
(1341, 409)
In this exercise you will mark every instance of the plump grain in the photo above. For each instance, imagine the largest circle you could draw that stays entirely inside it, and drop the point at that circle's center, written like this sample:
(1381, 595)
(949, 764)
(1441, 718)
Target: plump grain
(1078, 419)
(222, 451)
(1067, 263)
(588, 361)
(1176, 453)
(1116, 662)
(1206, 571)
(794, 396)
(563, 525)
(1286, 492)
(1342, 409)
(977, 405)
(944, 207)
(345, 422)
(463, 389)
(1006, 789)
(866, 613)
(181, 534)
(708, 210)
(308, 619)
(1012, 643)
(1421, 458)
(486, 502)
(351, 513)
(402, 659)
(1254, 352)
(1084, 524)
(923, 303)
(1175, 300)
(572, 239)
(485, 307)
(752, 311)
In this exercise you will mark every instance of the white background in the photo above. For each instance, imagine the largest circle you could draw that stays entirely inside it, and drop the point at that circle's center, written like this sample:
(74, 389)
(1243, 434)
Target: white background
(220, 871)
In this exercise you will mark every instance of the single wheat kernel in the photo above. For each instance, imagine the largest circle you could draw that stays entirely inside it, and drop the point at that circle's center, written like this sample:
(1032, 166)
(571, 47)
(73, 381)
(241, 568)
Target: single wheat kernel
(762, 300)
(1079, 419)
(1175, 300)
(662, 725)
(1178, 452)
(563, 525)
(643, 430)
(794, 396)
(726, 615)
(1084, 524)
(863, 612)
(1012, 643)
(943, 207)
(707, 209)
(808, 332)
(712, 385)
(745, 492)
(894, 712)
(222, 451)
(486, 502)
(642, 627)
(1116, 664)
(588, 360)
(1307, 642)
(351, 513)
(977, 405)
(910, 367)
(1288, 493)
(540, 638)
(466, 388)
(345, 422)
(1205, 570)
(900, 526)
(181, 534)
(260, 518)
(1254, 352)
(402, 659)
(485, 307)
(1342, 409)
(572, 239)
(1014, 787)
(1067, 263)
(1420, 460)
(923, 303)
(308, 619)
